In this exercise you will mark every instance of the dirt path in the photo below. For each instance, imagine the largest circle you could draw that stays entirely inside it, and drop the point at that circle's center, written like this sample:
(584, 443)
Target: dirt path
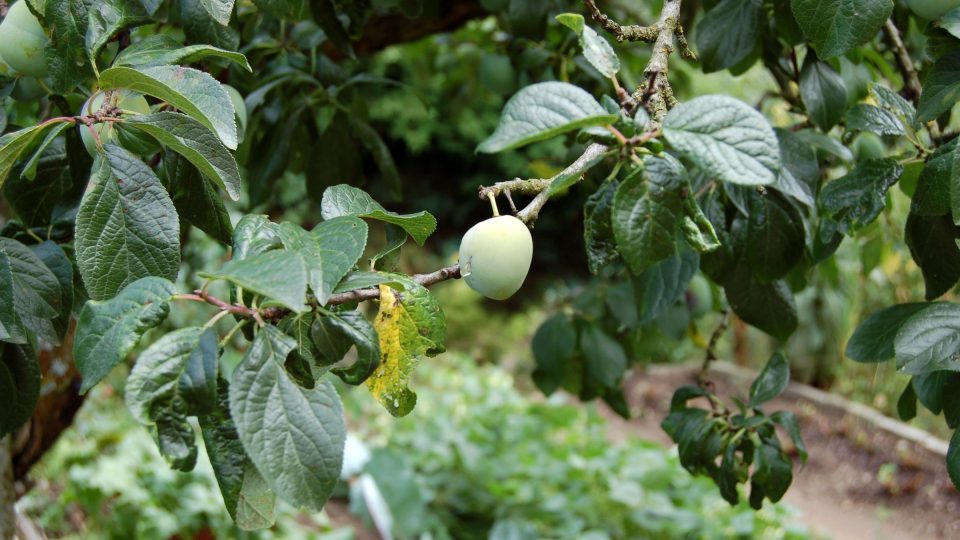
(841, 491)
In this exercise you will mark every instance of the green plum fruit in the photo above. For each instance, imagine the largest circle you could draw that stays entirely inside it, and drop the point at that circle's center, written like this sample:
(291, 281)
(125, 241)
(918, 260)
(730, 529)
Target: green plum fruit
(23, 42)
(27, 89)
(132, 104)
(495, 256)
(868, 146)
(699, 296)
(932, 9)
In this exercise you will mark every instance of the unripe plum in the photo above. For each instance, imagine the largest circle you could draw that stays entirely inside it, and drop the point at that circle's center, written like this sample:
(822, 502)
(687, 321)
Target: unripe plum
(932, 9)
(126, 100)
(698, 296)
(495, 256)
(23, 42)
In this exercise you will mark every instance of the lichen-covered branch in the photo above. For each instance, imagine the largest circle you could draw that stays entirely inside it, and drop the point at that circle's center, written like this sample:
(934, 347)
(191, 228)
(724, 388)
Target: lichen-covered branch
(657, 93)
(633, 32)
(540, 186)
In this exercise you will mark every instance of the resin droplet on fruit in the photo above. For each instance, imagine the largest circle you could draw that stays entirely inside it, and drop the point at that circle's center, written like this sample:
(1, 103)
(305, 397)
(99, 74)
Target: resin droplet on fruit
(495, 256)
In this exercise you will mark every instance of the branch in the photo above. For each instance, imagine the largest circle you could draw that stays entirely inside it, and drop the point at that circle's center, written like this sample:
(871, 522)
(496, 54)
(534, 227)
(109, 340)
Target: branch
(540, 186)
(634, 32)
(911, 81)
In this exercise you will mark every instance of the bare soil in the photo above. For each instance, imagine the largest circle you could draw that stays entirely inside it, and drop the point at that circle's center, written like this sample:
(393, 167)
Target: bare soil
(861, 482)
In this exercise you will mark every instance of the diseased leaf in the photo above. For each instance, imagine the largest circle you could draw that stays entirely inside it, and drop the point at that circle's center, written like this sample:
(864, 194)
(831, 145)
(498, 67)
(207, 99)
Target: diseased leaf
(410, 325)
(108, 331)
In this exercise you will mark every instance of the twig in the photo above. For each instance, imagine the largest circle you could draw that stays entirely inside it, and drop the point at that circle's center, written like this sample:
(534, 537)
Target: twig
(911, 81)
(540, 187)
(711, 355)
(633, 32)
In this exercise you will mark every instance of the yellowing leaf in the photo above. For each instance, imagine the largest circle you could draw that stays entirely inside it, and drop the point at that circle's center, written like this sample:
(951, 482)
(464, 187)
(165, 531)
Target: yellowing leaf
(409, 325)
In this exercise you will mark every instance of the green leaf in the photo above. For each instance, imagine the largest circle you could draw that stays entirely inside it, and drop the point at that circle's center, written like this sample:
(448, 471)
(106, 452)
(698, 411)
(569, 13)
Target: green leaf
(198, 383)
(855, 200)
(726, 138)
(195, 199)
(729, 33)
(604, 358)
(34, 201)
(825, 143)
(409, 325)
(330, 343)
(330, 250)
(200, 27)
(771, 382)
(893, 102)
(108, 331)
(66, 53)
(789, 422)
(109, 17)
(932, 243)
(773, 471)
(254, 235)
(907, 404)
(776, 237)
(127, 226)
(192, 140)
(176, 441)
(646, 214)
(20, 381)
(823, 92)
(354, 326)
(727, 475)
(344, 200)
(935, 192)
(29, 169)
(598, 236)
(873, 340)
(161, 49)
(544, 110)
(189, 90)
(249, 500)
(800, 175)
(941, 87)
(53, 330)
(36, 289)
(14, 145)
(219, 10)
(553, 345)
(929, 340)
(697, 228)
(596, 49)
(279, 275)
(361, 280)
(875, 120)
(767, 306)
(293, 435)
(325, 13)
(370, 138)
(953, 459)
(837, 26)
(10, 327)
(659, 287)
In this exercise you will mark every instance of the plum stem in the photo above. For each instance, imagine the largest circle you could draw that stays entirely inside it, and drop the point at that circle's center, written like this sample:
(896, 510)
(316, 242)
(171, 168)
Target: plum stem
(493, 203)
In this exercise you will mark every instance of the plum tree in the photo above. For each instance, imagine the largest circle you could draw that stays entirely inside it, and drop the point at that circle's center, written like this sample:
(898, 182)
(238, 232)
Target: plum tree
(932, 9)
(495, 256)
(23, 41)
(128, 102)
